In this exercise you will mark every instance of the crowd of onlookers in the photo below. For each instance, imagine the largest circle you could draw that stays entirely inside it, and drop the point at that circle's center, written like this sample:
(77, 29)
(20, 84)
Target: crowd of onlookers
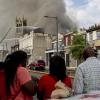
(17, 84)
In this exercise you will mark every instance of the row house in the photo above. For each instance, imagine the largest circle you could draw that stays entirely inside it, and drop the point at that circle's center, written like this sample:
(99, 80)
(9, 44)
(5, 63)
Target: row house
(53, 49)
(70, 62)
(93, 38)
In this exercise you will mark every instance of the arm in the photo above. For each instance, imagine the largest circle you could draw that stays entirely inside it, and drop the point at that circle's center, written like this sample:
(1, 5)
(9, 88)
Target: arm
(78, 82)
(27, 85)
(30, 87)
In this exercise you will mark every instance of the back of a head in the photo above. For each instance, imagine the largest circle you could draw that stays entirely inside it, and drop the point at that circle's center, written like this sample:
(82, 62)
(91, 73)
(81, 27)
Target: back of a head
(19, 57)
(57, 67)
(88, 52)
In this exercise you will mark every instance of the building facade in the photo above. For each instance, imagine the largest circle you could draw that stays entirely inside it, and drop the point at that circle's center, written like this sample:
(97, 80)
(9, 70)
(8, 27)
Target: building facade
(93, 37)
(70, 62)
(35, 45)
(52, 50)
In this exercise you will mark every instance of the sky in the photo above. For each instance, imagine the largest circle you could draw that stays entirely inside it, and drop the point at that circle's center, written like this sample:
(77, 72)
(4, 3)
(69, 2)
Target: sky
(34, 11)
(87, 12)
(84, 13)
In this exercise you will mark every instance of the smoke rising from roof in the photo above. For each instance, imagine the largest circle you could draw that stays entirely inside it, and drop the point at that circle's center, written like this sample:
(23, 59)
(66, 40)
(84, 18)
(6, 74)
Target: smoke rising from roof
(34, 11)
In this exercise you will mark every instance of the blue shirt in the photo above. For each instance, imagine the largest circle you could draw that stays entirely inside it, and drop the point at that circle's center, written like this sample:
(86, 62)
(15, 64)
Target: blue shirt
(87, 77)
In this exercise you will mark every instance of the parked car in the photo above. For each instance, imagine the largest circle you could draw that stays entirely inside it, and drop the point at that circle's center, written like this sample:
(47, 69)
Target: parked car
(38, 65)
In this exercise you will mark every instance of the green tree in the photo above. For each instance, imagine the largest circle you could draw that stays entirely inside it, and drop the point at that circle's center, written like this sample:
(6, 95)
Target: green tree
(77, 46)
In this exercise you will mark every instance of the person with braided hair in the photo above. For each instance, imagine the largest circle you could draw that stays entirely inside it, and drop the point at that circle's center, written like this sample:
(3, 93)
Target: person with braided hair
(18, 83)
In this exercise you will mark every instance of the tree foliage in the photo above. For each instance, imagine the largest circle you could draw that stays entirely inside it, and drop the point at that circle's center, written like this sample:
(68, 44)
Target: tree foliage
(78, 44)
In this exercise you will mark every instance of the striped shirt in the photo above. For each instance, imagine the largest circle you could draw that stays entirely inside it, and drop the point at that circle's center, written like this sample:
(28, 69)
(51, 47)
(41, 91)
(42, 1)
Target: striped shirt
(87, 77)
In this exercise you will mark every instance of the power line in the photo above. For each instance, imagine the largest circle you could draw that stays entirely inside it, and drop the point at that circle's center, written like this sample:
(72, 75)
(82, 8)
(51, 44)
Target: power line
(5, 35)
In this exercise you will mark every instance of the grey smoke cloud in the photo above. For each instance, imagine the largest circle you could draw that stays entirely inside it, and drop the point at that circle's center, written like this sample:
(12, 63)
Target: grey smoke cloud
(34, 11)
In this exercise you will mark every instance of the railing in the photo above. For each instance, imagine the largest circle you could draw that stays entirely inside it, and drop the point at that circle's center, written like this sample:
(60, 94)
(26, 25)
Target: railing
(70, 70)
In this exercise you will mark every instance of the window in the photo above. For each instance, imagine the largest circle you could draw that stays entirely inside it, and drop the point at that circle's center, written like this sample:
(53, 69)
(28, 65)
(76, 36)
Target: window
(90, 37)
(98, 35)
(67, 60)
(54, 45)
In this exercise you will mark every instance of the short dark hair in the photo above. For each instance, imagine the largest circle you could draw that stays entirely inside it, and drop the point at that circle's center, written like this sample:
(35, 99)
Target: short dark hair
(88, 52)
(57, 67)
(19, 57)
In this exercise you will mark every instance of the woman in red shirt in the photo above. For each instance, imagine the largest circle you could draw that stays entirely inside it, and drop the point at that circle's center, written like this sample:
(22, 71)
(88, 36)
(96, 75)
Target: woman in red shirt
(16, 78)
(57, 71)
